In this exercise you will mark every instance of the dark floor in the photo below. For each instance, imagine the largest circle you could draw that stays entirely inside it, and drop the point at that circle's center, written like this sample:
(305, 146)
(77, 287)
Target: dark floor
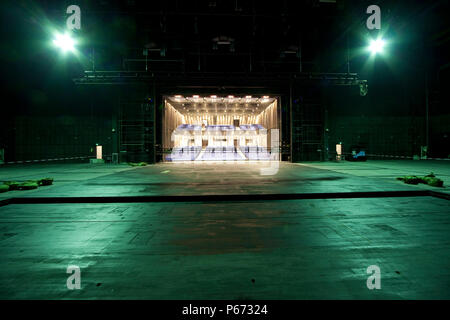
(293, 249)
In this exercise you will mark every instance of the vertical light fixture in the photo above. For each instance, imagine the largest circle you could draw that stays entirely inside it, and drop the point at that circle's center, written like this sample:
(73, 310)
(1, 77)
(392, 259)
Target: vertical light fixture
(98, 150)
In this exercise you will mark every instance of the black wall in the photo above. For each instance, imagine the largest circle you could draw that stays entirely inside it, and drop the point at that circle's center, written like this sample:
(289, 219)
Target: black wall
(44, 115)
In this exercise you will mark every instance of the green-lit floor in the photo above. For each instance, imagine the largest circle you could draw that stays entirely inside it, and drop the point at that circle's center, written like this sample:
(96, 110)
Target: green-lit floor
(296, 249)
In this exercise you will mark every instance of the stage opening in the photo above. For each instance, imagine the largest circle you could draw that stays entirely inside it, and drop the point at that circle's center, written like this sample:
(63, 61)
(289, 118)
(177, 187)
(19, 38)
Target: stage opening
(221, 128)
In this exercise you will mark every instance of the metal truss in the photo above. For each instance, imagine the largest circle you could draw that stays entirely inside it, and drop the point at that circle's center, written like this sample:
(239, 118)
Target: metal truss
(138, 77)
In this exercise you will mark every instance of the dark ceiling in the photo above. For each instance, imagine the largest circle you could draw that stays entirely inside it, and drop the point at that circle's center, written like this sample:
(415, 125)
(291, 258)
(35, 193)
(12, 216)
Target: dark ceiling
(245, 39)
(221, 36)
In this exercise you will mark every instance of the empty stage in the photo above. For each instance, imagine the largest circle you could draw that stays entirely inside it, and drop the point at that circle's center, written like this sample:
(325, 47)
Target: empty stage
(217, 248)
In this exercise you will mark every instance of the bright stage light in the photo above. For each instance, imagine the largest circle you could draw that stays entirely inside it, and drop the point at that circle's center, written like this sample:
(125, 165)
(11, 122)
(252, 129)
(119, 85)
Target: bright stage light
(376, 46)
(64, 42)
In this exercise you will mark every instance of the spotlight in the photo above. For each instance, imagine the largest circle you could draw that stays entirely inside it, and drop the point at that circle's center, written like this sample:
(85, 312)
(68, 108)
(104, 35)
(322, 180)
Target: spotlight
(376, 46)
(64, 42)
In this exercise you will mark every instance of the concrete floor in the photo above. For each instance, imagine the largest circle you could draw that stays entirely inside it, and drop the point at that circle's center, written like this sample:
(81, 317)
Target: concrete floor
(277, 249)
(388, 170)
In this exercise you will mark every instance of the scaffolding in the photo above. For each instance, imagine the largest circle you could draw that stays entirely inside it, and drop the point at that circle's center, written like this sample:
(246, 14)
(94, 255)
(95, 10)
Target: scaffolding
(136, 130)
